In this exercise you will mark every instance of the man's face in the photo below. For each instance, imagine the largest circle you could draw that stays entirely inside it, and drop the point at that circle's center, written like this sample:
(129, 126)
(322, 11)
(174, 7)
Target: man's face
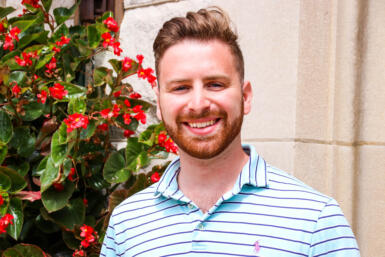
(201, 99)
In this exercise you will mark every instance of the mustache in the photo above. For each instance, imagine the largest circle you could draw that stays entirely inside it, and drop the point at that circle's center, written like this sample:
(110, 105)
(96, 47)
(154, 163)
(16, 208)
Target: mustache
(200, 115)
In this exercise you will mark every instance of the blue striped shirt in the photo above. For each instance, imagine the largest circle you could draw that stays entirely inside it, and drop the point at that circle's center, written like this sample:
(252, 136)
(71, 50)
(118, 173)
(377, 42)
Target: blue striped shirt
(268, 213)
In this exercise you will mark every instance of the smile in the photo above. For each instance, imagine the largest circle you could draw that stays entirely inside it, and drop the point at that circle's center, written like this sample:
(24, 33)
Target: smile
(201, 124)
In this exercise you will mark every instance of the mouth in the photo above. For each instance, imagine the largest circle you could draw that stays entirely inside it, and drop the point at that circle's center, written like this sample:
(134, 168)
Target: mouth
(202, 124)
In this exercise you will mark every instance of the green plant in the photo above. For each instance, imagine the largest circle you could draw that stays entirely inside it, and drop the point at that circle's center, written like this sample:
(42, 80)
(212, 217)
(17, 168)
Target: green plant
(58, 166)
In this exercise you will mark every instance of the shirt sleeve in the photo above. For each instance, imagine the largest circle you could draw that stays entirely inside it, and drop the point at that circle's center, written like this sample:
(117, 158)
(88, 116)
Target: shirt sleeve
(109, 248)
(333, 236)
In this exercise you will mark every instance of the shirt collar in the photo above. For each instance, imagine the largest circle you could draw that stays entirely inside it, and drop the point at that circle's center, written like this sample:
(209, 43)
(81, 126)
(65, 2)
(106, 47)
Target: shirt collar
(254, 173)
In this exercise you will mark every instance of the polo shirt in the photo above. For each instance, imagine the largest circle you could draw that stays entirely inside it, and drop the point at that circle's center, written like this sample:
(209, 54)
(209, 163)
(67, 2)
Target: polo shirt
(268, 213)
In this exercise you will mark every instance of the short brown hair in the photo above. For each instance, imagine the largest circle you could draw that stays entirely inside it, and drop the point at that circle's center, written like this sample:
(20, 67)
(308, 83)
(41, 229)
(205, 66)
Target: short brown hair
(206, 24)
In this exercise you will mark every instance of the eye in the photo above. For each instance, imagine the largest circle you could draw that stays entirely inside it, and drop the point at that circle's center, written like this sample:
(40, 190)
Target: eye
(215, 85)
(180, 88)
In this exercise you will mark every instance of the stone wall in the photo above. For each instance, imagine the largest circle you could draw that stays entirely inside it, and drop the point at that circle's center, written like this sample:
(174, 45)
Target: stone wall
(318, 74)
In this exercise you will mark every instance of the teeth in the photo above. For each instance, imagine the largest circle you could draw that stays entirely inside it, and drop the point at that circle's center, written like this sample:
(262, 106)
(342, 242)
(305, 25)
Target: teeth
(201, 124)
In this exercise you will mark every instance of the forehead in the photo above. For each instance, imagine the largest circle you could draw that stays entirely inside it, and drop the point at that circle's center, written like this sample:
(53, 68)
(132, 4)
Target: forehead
(191, 58)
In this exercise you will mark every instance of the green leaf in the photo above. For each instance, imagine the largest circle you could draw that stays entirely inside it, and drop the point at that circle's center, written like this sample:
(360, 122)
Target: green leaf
(4, 206)
(17, 76)
(5, 11)
(61, 31)
(6, 129)
(10, 55)
(134, 69)
(148, 136)
(3, 152)
(23, 250)
(33, 110)
(89, 131)
(43, 61)
(58, 149)
(18, 182)
(16, 209)
(71, 215)
(62, 14)
(23, 141)
(5, 182)
(70, 240)
(46, 4)
(11, 252)
(21, 167)
(74, 91)
(93, 36)
(77, 105)
(26, 22)
(40, 37)
(114, 170)
(41, 167)
(116, 65)
(46, 226)
(55, 200)
(102, 75)
(50, 173)
(136, 154)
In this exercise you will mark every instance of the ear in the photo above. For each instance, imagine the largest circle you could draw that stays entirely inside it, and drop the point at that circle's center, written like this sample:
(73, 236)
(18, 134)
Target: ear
(247, 97)
(158, 112)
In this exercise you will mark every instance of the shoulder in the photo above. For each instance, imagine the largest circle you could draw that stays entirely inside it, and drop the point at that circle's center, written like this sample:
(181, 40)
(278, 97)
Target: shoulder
(133, 205)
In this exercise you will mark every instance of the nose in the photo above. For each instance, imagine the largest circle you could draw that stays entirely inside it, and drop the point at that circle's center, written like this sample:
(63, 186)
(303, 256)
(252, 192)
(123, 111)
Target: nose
(198, 101)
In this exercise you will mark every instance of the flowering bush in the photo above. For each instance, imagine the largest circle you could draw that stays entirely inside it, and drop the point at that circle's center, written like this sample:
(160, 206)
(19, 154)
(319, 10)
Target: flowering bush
(60, 176)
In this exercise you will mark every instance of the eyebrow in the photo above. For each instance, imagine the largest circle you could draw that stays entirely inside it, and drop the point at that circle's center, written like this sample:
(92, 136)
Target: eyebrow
(214, 77)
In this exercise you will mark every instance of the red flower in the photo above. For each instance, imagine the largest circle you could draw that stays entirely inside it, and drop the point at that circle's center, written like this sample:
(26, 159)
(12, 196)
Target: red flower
(71, 174)
(162, 139)
(26, 61)
(106, 113)
(89, 235)
(140, 58)
(147, 74)
(155, 177)
(1, 200)
(63, 40)
(55, 49)
(51, 65)
(126, 64)
(78, 253)
(85, 201)
(170, 146)
(5, 221)
(58, 187)
(75, 121)
(2, 29)
(111, 24)
(141, 116)
(115, 110)
(127, 103)
(103, 127)
(108, 39)
(117, 49)
(34, 3)
(58, 91)
(137, 108)
(42, 97)
(14, 32)
(16, 90)
(8, 43)
(127, 133)
(127, 118)
(135, 95)
(117, 93)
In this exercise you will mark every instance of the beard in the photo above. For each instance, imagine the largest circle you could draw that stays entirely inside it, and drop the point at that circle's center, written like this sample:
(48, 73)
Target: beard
(206, 147)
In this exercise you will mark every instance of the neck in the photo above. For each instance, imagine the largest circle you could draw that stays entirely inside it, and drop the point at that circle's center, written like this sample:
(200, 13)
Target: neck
(205, 180)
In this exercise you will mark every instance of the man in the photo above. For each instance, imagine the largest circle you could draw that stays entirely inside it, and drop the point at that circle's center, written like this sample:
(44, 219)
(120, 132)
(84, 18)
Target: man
(218, 198)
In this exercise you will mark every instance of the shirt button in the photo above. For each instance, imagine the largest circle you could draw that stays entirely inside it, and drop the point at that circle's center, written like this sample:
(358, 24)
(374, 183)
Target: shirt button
(201, 226)
(190, 206)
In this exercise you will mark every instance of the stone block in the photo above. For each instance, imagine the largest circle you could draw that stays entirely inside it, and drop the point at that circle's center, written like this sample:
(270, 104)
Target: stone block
(370, 205)
(277, 154)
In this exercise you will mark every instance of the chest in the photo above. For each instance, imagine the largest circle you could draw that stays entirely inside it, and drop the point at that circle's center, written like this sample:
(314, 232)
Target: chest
(238, 227)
